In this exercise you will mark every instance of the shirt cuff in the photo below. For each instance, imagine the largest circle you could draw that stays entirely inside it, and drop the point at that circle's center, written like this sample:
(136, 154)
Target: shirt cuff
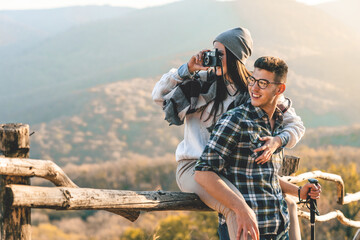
(183, 72)
(203, 168)
(285, 137)
(202, 165)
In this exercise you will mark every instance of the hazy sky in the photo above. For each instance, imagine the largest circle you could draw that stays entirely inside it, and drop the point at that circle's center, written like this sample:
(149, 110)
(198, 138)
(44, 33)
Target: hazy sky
(40, 4)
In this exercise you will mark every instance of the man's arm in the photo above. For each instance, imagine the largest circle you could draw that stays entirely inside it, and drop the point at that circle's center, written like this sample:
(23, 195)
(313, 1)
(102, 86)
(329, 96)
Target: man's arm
(245, 216)
(214, 160)
(309, 189)
(292, 133)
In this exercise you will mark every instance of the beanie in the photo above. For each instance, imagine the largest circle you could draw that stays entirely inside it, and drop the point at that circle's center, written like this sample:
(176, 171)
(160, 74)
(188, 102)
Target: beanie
(238, 41)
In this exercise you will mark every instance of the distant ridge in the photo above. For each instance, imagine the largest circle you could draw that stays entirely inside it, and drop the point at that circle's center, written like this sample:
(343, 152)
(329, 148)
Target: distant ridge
(20, 26)
(49, 79)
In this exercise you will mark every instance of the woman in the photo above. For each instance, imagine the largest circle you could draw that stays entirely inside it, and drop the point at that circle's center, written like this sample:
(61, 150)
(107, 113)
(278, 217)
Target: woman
(198, 95)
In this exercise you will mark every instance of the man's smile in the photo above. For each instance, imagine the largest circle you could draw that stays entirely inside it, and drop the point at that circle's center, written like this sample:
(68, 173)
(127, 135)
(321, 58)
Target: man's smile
(255, 95)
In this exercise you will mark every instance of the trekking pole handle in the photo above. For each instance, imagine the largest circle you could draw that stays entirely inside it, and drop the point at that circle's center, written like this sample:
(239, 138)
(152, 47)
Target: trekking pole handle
(313, 205)
(314, 181)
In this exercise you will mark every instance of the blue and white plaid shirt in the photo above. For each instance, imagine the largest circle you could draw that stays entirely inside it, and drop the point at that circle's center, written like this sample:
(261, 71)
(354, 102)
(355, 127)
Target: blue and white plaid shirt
(230, 152)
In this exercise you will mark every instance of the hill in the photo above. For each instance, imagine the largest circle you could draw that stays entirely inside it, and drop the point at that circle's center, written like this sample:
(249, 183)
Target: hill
(333, 136)
(119, 119)
(49, 80)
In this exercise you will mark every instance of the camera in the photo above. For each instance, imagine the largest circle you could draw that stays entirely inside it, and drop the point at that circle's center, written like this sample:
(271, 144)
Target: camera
(211, 58)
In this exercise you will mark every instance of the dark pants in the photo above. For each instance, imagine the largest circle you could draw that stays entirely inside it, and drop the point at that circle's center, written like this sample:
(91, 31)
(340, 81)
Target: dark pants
(224, 234)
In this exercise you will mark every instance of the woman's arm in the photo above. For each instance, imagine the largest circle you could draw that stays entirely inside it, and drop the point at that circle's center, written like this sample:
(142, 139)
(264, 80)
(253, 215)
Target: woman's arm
(294, 128)
(175, 76)
(167, 83)
(293, 131)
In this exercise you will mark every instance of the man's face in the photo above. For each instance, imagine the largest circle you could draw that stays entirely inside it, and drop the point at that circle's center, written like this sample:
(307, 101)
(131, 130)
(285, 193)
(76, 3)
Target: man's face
(263, 98)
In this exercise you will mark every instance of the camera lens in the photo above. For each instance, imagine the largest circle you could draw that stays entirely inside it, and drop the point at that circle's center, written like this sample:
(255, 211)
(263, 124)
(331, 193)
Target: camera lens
(206, 60)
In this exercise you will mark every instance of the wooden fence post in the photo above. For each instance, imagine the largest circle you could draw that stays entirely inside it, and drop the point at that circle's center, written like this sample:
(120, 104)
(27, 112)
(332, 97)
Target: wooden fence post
(15, 222)
(289, 166)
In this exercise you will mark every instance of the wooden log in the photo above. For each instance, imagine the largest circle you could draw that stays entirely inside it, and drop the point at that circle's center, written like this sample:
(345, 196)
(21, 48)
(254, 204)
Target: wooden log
(39, 168)
(331, 215)
(87, 198)
(290, 165)
(15, 222)
(50, 171)
(14, 140)
(351, 197)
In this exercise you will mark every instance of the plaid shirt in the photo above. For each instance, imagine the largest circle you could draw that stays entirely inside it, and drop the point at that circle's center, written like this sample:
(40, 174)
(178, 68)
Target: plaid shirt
(230, 152)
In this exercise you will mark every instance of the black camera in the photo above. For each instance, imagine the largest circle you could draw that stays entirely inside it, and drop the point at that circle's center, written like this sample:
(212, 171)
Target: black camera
(212, 58)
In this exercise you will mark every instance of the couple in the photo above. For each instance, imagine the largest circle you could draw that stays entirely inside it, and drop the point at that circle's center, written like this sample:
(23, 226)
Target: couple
(234, 170)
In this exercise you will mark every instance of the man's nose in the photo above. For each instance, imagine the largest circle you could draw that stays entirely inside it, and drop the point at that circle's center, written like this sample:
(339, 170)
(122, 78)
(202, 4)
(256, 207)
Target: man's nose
(256, 86)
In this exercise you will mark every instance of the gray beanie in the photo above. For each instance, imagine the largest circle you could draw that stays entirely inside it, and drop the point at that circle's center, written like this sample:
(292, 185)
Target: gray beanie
(238, 41)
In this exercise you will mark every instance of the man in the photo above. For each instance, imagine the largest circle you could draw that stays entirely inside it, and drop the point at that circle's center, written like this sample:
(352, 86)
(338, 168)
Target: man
(259, 210)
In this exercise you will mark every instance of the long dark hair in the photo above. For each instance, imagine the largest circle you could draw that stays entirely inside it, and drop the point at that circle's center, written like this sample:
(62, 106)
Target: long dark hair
(237, 72)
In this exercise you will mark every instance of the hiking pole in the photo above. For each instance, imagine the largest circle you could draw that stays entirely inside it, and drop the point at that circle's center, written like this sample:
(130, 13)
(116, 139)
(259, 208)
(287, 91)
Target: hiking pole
(313, 209)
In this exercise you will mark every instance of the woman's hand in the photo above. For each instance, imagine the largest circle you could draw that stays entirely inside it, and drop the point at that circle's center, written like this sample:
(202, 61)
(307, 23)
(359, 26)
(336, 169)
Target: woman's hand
(196, 61)
(311, 190)
(269, 147)
(247, 224)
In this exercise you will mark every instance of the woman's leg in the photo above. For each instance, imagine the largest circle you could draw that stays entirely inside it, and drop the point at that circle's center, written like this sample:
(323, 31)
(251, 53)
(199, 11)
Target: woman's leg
(294, 232)
(185, 179)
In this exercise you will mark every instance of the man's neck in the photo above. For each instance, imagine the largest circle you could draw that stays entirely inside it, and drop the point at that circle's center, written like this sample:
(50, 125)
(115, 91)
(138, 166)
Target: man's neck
(270, 110)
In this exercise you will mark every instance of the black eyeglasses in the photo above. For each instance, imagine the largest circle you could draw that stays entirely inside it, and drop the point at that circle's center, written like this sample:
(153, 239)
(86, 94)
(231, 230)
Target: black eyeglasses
(263, 83)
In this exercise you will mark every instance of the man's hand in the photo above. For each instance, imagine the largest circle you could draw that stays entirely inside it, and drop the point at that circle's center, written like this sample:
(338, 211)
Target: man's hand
(311, 190)
(196, 61)
(247, 224)
(269, 147)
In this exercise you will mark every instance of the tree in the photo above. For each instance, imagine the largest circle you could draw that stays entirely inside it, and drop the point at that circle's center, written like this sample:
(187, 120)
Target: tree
(134, 234)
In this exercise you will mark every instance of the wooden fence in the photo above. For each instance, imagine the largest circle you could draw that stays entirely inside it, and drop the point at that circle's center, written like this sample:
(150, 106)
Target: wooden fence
(18, 197)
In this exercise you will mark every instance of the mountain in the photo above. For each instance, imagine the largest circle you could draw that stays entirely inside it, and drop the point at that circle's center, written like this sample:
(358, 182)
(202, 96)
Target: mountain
(333, 136)
(49, 80)
(24, 28)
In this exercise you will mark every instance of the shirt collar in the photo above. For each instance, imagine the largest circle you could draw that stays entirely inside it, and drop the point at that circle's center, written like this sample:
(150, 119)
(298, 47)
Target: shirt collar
(258, 113)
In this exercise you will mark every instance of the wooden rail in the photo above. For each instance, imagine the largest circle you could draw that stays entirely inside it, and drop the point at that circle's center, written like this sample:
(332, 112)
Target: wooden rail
(325, 176)
(67, 196)
(48, 170)
(35, 168)
(62, 198)
(332, 215)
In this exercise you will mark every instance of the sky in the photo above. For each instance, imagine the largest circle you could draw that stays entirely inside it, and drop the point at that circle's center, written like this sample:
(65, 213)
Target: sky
(45, 4)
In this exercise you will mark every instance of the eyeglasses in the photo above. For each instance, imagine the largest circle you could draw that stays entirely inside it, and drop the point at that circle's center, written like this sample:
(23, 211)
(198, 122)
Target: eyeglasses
(262, 83)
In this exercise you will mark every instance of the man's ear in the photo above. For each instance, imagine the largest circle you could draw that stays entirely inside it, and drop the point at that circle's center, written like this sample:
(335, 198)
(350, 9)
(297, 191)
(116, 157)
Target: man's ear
(281, 89)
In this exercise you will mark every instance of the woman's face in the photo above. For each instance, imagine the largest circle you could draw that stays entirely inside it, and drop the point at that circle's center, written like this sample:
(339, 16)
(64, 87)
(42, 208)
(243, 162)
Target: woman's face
(221, 49)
